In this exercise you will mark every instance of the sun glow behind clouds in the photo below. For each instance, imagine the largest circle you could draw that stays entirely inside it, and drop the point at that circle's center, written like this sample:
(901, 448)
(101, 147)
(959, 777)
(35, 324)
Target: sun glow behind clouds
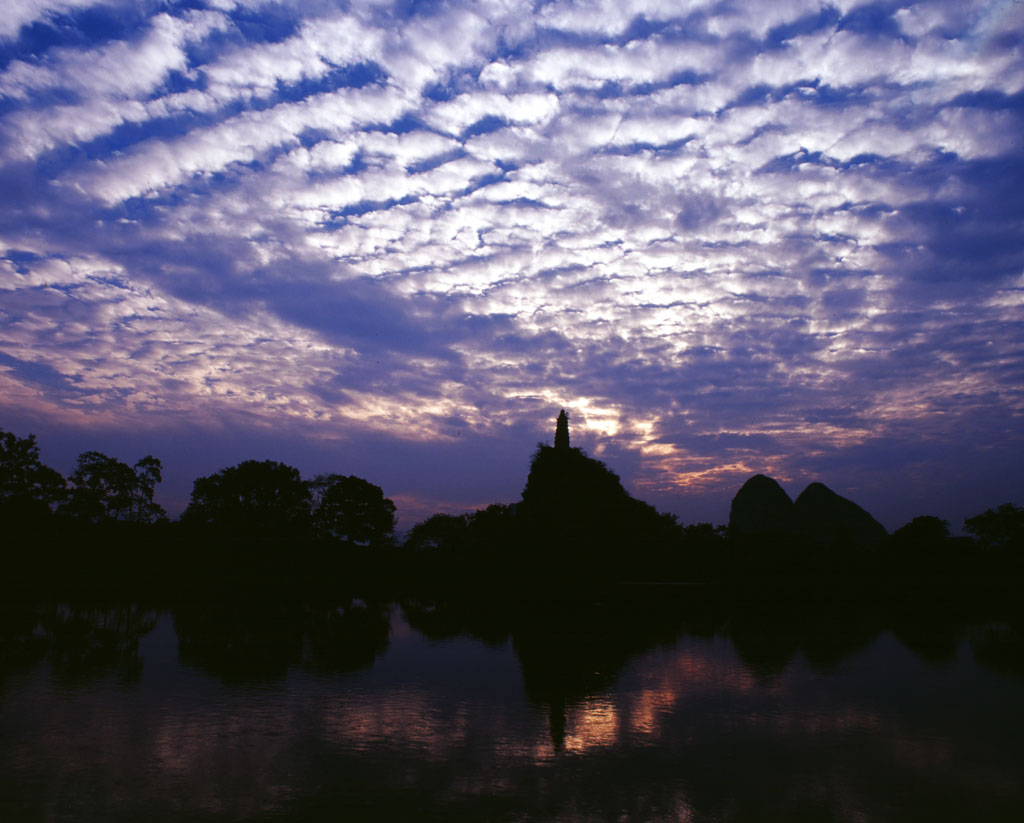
(726, 242)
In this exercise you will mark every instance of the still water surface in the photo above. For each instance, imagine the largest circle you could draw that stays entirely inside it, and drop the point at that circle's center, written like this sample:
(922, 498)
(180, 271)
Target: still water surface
(358, 711)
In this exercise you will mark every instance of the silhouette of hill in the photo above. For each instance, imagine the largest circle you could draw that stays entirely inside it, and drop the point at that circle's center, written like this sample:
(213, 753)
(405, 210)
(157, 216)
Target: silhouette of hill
(575, 511)
(826, 519)
(761, 509)
(821, 532)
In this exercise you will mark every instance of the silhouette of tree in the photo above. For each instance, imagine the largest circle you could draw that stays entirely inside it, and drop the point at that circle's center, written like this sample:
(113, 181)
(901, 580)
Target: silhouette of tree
(999, 528)
(28, 489)
(441, 533)
(493, 526)
(104, 488)
(922, 546)
(259, 498)
(148, 473)
(562, 431)
(351, 509)
(923, 531)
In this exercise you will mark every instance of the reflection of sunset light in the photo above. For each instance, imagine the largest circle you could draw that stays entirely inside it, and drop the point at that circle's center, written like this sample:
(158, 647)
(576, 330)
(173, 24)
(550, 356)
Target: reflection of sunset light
(647, 709)
(405, 720)
(686, 673)
(595, 724)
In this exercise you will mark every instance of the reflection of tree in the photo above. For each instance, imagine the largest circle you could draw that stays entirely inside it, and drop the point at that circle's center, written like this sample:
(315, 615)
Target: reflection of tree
(440, 620)
(348, 636)
(574, 651)
(89, 641)
(766, 643)
(83, 642)
(1000, 647)
(933, 623)
(22, 640)
(568, 650)
(242, 639)
(769, 627)
(933, 640)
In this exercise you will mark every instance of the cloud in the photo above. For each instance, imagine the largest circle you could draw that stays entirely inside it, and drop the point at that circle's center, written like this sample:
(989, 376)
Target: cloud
(20, 13)
(108, 85)
(730, 242)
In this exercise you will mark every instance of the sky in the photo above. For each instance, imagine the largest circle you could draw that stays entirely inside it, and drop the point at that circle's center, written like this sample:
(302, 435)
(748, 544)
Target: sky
(393, 239)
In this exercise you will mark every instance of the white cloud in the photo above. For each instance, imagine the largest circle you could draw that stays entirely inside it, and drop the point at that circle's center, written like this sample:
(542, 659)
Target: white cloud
(684, 249)
(242, 139)
(18, 13)
(110, 81)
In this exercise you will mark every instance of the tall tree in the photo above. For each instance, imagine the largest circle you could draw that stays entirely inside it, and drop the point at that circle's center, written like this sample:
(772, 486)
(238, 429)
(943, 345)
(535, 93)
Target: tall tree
(352, 509)
(256, 498)
(105, 488)
(998, 528)
(148, 473)
(28, 488)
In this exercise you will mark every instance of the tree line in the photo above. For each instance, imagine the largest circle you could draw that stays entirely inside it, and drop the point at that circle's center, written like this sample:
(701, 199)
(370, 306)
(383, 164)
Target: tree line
(256, 498)
(260, 520)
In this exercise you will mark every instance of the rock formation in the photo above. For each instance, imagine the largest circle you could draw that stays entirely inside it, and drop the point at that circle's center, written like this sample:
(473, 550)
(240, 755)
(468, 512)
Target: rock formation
(826, 519)
(761, 509)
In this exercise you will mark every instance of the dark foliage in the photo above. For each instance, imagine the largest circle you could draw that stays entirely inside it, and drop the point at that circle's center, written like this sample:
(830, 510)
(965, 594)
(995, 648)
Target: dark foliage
(29, 490)
(260, 499)
(104, 488)
(1000, 535)
(351, 509)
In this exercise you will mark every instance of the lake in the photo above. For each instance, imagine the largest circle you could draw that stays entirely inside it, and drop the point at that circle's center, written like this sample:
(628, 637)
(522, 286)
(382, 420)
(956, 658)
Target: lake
(663, 705)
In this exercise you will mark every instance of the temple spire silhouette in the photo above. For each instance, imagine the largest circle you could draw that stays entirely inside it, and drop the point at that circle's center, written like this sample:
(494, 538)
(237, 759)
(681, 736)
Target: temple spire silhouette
(562, 431)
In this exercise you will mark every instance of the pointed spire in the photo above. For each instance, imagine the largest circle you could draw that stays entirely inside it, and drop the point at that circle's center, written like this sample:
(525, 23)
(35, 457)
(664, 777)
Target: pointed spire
(562, 431)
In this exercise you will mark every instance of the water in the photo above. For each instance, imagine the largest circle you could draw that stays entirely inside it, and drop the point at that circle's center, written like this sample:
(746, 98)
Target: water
(589, 712)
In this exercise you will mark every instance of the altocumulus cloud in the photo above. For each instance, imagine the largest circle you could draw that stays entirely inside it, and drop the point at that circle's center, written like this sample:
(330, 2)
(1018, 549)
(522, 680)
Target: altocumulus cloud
(394, 238)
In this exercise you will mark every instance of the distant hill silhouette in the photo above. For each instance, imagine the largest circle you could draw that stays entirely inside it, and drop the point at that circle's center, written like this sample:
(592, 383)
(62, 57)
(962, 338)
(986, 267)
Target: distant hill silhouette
(762, 512)
(761, 509)
(829, 520)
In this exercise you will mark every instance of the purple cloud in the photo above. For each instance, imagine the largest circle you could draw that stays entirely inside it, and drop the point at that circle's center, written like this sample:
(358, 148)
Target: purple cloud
(784, 240)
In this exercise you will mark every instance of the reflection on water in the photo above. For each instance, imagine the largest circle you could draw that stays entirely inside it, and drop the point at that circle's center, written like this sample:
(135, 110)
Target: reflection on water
(645, 708)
